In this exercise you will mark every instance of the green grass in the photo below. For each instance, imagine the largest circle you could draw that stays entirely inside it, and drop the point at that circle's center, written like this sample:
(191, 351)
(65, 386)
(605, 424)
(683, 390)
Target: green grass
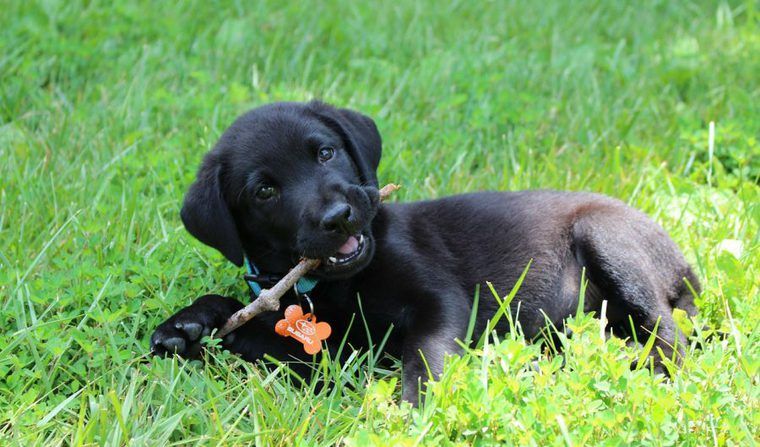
(106, 111)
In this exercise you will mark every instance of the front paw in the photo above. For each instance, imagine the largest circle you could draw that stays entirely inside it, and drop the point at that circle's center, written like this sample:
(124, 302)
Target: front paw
(181, 334)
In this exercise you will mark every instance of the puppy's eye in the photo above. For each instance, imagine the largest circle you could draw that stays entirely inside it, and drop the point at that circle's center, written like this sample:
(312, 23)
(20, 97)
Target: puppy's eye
(266, 192)
(325, 153)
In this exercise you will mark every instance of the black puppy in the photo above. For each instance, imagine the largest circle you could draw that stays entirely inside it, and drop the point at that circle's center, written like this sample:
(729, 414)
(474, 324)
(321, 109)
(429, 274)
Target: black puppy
(292, 180)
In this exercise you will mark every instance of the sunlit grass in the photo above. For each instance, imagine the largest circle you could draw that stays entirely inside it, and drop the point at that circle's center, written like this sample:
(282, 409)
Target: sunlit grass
(106, 110)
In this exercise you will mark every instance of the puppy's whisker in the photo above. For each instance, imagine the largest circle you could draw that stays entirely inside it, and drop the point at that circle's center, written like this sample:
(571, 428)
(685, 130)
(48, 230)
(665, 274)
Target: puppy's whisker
(242, 190)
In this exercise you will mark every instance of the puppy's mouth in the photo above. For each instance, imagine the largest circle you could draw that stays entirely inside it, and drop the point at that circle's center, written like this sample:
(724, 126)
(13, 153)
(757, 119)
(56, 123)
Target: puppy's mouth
(349, 259)
(350, 251)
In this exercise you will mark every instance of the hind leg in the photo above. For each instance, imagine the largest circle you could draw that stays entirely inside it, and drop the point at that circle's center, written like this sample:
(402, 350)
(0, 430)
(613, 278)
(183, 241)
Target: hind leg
(669, 342)
(638, 269)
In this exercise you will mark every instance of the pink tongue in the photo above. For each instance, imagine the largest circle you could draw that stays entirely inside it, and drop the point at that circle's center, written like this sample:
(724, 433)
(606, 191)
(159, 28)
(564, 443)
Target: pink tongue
(349, 247)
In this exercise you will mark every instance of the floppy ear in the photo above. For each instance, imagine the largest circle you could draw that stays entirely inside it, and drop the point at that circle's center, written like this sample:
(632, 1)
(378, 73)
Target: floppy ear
(206, 215)
(359, 134)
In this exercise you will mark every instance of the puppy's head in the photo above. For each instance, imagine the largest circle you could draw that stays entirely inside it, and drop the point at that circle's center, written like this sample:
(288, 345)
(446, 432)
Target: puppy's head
(290, 180)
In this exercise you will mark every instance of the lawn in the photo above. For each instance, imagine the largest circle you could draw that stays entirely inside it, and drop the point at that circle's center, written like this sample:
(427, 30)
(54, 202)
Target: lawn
(106, 110)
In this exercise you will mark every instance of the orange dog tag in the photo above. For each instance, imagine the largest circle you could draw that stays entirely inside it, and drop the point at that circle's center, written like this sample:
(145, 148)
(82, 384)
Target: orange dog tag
(303, 328)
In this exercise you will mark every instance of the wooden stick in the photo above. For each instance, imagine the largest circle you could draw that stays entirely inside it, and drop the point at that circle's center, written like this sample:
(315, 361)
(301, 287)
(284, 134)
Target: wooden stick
(269, 299)
(387, 190)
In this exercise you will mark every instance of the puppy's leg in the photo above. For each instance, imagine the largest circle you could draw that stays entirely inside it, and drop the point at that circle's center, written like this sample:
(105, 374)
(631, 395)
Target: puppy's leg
(182, 332)
(639, 270)
(430, 337)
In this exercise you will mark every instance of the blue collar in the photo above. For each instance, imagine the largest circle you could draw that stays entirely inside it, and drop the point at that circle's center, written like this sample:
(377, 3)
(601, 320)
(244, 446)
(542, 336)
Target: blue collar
(255, 278)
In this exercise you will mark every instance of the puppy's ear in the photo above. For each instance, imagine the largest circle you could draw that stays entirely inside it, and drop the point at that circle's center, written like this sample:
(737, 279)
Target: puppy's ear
(359, 134)
(206, 215)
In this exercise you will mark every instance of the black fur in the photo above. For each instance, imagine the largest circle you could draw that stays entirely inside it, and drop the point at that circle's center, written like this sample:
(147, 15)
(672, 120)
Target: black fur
(421, 261)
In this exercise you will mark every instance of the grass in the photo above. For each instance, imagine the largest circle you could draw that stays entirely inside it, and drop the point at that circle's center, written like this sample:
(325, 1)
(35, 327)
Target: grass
(106, 110)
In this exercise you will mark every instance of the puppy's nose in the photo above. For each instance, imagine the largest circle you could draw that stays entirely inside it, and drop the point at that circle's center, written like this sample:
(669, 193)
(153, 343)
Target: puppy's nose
(339, 218)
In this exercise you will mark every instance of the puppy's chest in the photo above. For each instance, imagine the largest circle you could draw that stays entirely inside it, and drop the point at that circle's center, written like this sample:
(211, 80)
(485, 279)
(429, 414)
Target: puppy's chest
(378, 306)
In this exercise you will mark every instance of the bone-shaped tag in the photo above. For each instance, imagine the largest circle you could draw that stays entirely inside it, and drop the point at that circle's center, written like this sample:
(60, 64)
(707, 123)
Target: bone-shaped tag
(303, 328)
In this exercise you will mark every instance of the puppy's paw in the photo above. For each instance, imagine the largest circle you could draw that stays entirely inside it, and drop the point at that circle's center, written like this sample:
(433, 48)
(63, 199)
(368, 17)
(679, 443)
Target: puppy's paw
(181, 334)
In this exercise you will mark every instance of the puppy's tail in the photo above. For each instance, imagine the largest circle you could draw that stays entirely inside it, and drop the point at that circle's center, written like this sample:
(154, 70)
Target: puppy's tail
(687, 289)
